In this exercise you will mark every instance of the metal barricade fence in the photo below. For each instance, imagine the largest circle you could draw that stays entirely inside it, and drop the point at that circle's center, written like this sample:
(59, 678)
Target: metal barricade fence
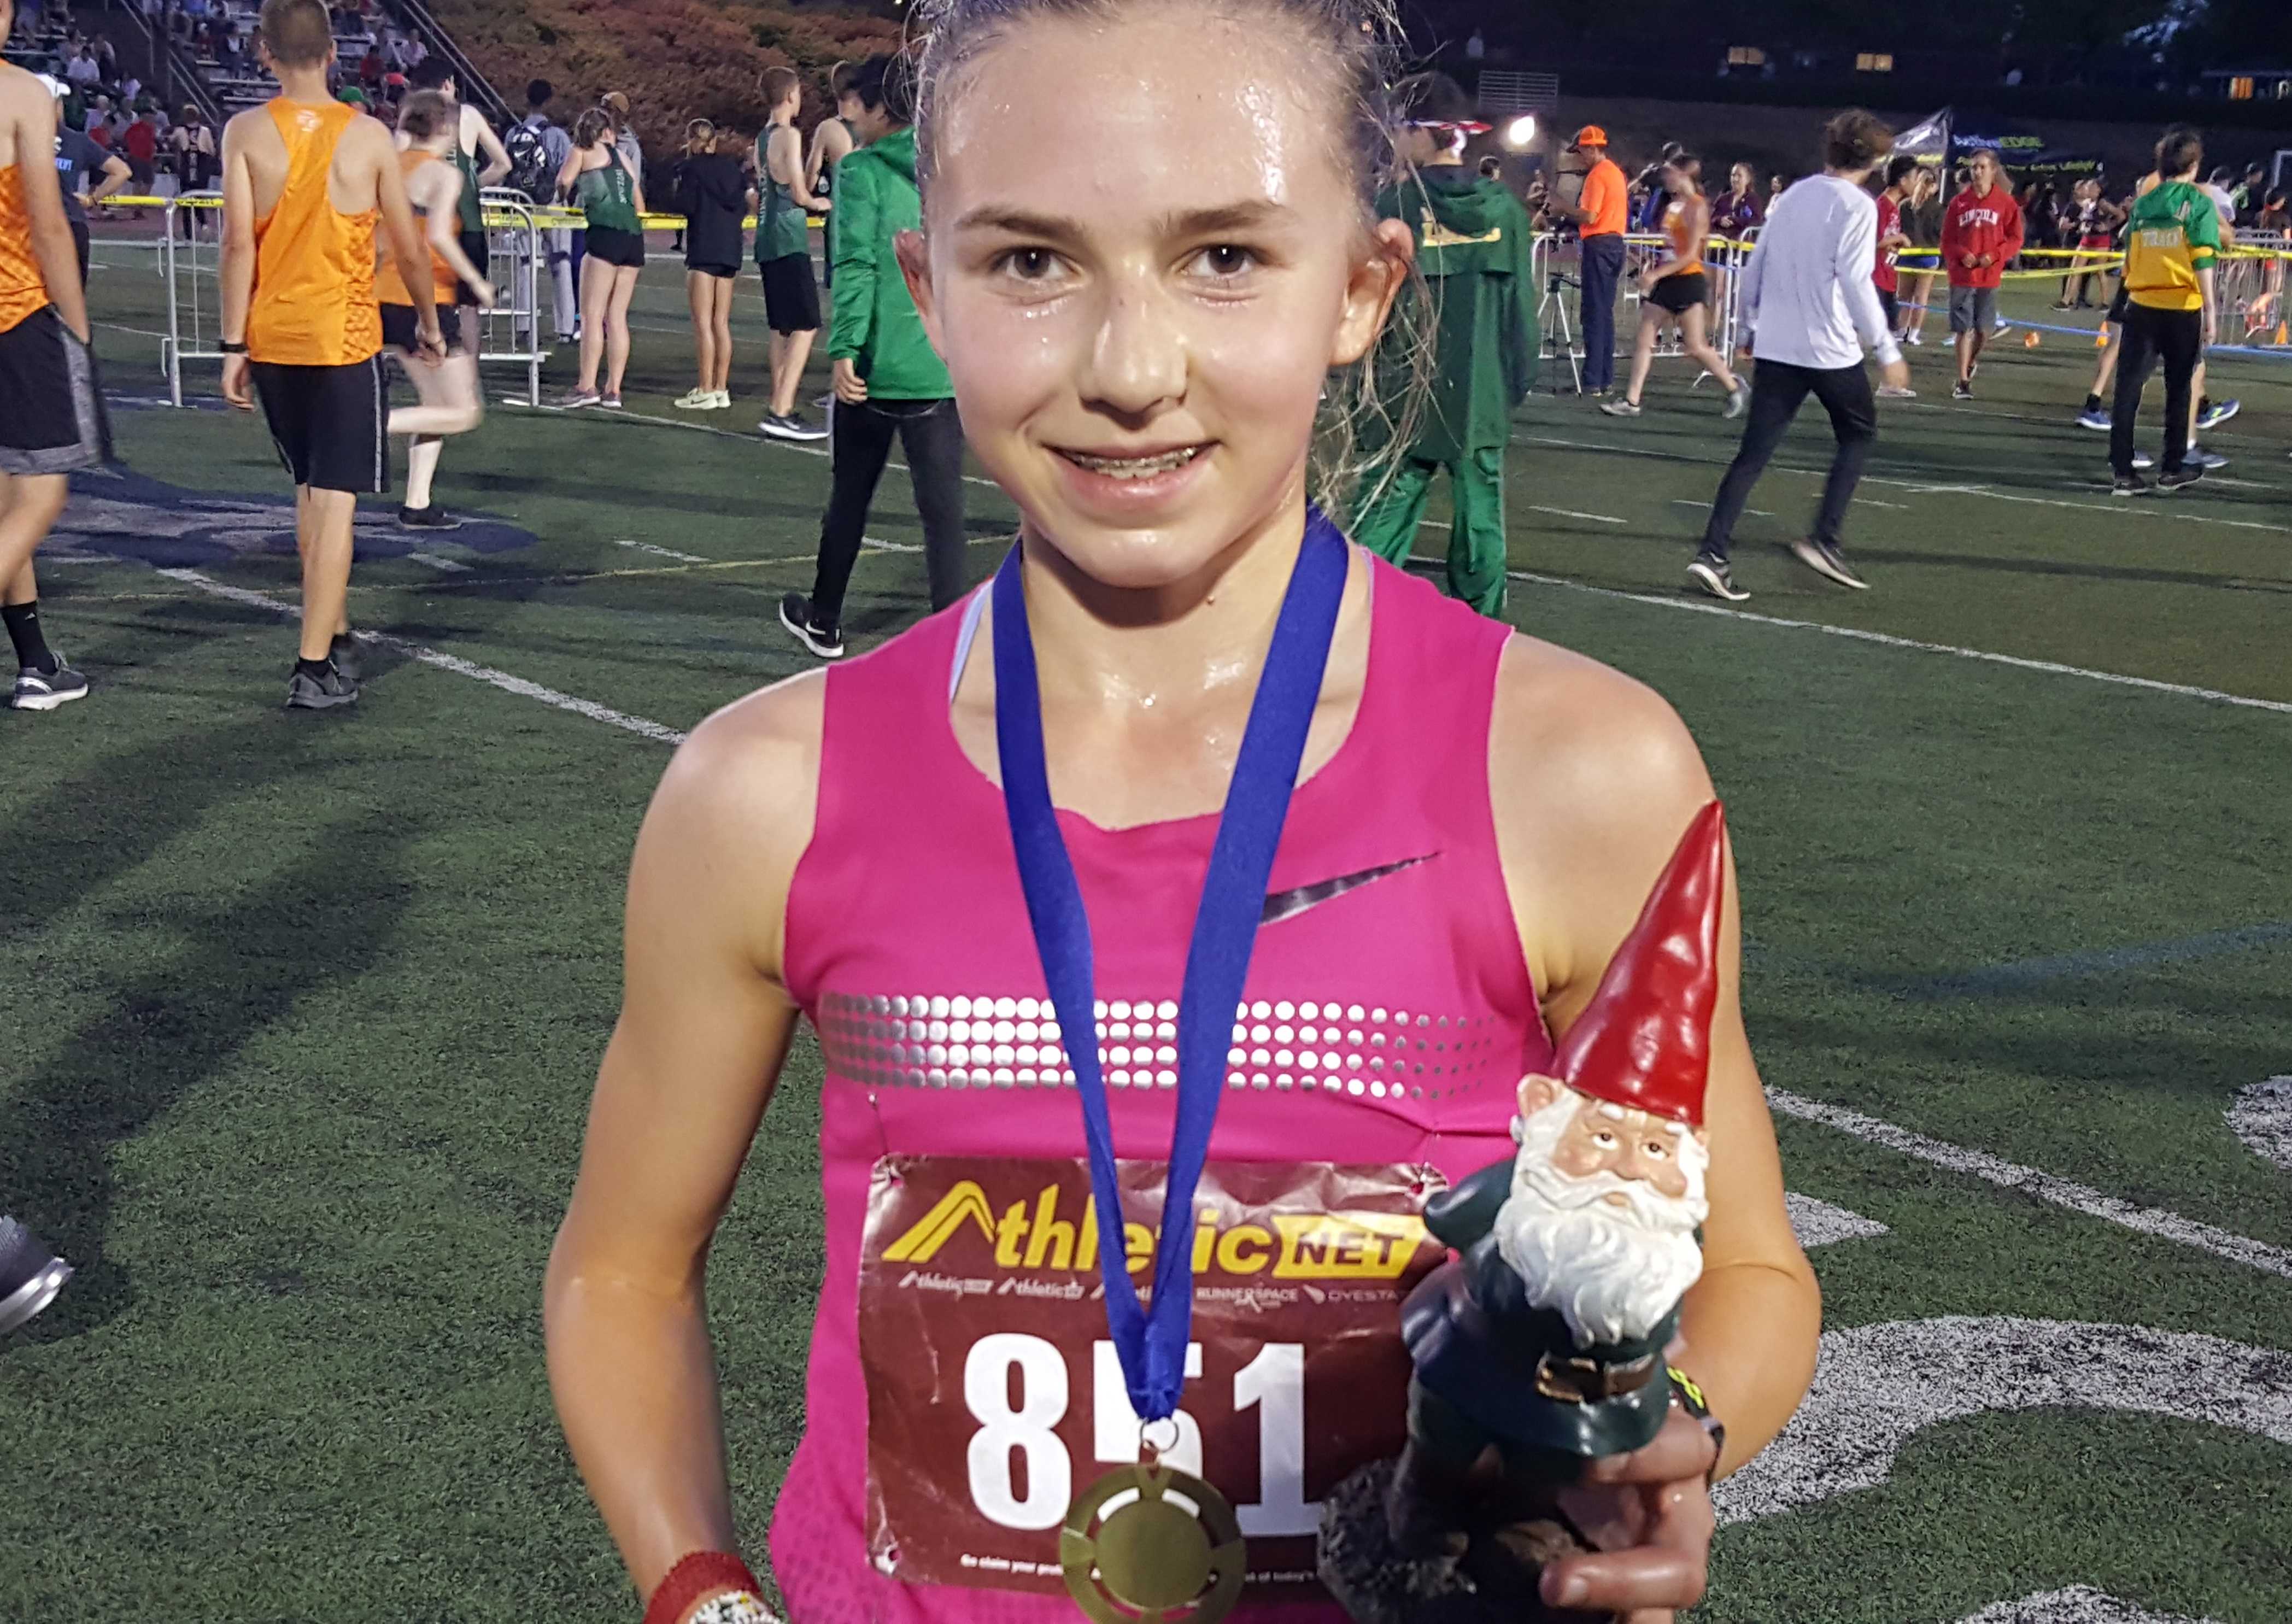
(1557, 267)
(191, 261)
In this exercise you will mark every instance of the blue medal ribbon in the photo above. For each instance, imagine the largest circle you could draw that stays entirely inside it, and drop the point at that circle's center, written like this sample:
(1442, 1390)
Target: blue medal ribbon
(1150, 1341)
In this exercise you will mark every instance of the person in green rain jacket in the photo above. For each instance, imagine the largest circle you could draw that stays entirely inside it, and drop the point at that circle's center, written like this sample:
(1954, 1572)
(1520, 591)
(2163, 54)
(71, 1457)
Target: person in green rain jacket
(889, 381)
(1474, 245)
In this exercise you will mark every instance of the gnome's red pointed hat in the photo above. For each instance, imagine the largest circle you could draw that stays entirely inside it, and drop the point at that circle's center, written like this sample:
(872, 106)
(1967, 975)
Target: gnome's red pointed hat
(1645, 1040)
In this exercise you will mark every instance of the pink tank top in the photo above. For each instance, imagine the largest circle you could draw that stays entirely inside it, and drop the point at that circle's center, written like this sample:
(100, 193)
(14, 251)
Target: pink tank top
(1388, 1015)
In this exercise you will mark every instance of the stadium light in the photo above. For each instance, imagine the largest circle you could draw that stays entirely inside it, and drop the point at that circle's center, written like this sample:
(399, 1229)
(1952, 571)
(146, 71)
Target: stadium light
(1521, 131)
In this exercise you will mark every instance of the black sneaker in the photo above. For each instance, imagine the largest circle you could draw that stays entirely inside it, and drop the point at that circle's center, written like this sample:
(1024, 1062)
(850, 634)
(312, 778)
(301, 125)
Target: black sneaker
(2179, 478)
(795, 614)
(1710, 572)
(1823, 558)
(1963, 392)
(428, 519)
(29, 1276)
(38, 690)
(345, 652)
(308, 692)
(2129, 485)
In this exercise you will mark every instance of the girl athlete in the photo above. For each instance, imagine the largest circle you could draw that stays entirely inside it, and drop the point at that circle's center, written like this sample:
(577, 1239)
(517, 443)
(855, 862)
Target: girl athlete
(714, 197)
(1140, 318)
(1675, 289)
(784, 254)
(600, 183)
(451, 400)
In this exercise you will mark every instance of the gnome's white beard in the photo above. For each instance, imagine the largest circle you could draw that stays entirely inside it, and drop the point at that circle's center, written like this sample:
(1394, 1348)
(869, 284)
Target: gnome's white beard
(1613, 1273)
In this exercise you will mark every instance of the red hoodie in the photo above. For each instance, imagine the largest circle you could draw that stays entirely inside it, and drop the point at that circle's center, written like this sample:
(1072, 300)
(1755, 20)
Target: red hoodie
(1987, 228)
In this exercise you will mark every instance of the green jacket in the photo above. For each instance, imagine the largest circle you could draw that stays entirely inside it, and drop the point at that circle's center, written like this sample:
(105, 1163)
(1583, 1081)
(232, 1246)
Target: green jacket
(1475, 246)
(876, 324)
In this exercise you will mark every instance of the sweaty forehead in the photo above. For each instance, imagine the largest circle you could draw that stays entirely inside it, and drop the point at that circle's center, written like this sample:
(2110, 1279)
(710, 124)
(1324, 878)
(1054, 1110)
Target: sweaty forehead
(1156, 110)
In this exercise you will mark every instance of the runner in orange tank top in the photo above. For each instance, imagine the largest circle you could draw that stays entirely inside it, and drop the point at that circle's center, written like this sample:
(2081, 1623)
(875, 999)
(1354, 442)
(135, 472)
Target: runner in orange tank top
(51, 409)
(451, 403)
(305, 178)
(1675, 289)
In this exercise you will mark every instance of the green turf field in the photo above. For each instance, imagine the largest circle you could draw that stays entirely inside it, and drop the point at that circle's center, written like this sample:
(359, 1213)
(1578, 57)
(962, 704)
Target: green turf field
(302, 1013)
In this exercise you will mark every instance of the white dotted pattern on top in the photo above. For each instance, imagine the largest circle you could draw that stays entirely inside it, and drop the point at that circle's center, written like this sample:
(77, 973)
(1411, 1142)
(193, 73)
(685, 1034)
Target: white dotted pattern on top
(931, 1040)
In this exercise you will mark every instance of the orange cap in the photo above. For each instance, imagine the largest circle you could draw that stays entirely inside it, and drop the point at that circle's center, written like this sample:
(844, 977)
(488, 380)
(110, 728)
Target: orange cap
(1590, 135)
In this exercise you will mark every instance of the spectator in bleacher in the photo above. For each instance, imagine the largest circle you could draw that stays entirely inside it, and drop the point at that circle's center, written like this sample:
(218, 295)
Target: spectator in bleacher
(82, 69)
(625, 139)
(563, 261)
(370, 70)
(107, 62)
(139, 143)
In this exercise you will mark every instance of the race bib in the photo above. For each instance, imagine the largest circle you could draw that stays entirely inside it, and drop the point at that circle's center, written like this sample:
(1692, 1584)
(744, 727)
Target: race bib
(995, 1397)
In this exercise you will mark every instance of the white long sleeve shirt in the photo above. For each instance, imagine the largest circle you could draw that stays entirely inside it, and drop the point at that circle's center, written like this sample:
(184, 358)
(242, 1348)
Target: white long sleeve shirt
(1807, 298)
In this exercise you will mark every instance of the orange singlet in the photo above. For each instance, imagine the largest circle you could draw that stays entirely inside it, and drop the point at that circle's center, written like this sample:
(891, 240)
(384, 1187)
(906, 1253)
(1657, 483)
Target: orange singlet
(314, 303)
(389, 285)
(1686, 244)
(22, 288)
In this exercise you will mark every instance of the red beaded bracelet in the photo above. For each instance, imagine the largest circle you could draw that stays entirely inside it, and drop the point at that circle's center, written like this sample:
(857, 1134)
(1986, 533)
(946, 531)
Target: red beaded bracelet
(700, 1573)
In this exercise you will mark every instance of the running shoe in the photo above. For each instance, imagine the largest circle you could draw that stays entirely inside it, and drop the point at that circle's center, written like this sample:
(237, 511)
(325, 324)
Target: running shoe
(1823, 558)
(2129, 485)
(697, 400)
(2143, 462)
(1624, 409)
(795, 614)
(1710, 572)
(38, 690)
(307, 692)
(1961, 391)
(2209, 461)
(428, 519)
(721, 400)
(1738, 400)
(1894, 392)
(345, 652)
(574, 400)
(2179, 478)
(825, 401)
(2000, 324)
(1915, 339)
(2097, 420)
(790, 427)
(2064, 304)
(611, 403)
(29, 1277)
(2218, 412)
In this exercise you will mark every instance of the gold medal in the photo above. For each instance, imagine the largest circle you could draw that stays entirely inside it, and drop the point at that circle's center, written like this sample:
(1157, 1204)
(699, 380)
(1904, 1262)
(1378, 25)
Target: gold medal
(1151, 1560)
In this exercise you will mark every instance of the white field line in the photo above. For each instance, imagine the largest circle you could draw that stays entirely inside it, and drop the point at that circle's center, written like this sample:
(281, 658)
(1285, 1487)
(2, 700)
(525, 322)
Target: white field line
(2173, 509)
(2030, 1181)
(502, 680)
(1570, 512)
(1888, 639)
(646, 546)
(445, 566)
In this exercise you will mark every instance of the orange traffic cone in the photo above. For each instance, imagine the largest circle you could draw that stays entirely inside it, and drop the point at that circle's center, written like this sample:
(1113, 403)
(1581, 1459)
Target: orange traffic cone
(2284, 333)
(2030, 340)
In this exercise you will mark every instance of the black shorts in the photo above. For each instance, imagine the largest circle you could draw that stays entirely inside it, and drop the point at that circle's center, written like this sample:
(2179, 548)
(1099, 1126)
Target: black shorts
(473, 244)
(328, 422)
(622, 248)
(400, 331)
(791, 297)
(714, 269)
(51, 418)
(1681, 292)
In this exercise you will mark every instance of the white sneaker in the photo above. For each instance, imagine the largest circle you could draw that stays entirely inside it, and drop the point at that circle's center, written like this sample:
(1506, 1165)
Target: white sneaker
(1916, 340)
(697, 400)
(1897, 392)
(721, 402)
